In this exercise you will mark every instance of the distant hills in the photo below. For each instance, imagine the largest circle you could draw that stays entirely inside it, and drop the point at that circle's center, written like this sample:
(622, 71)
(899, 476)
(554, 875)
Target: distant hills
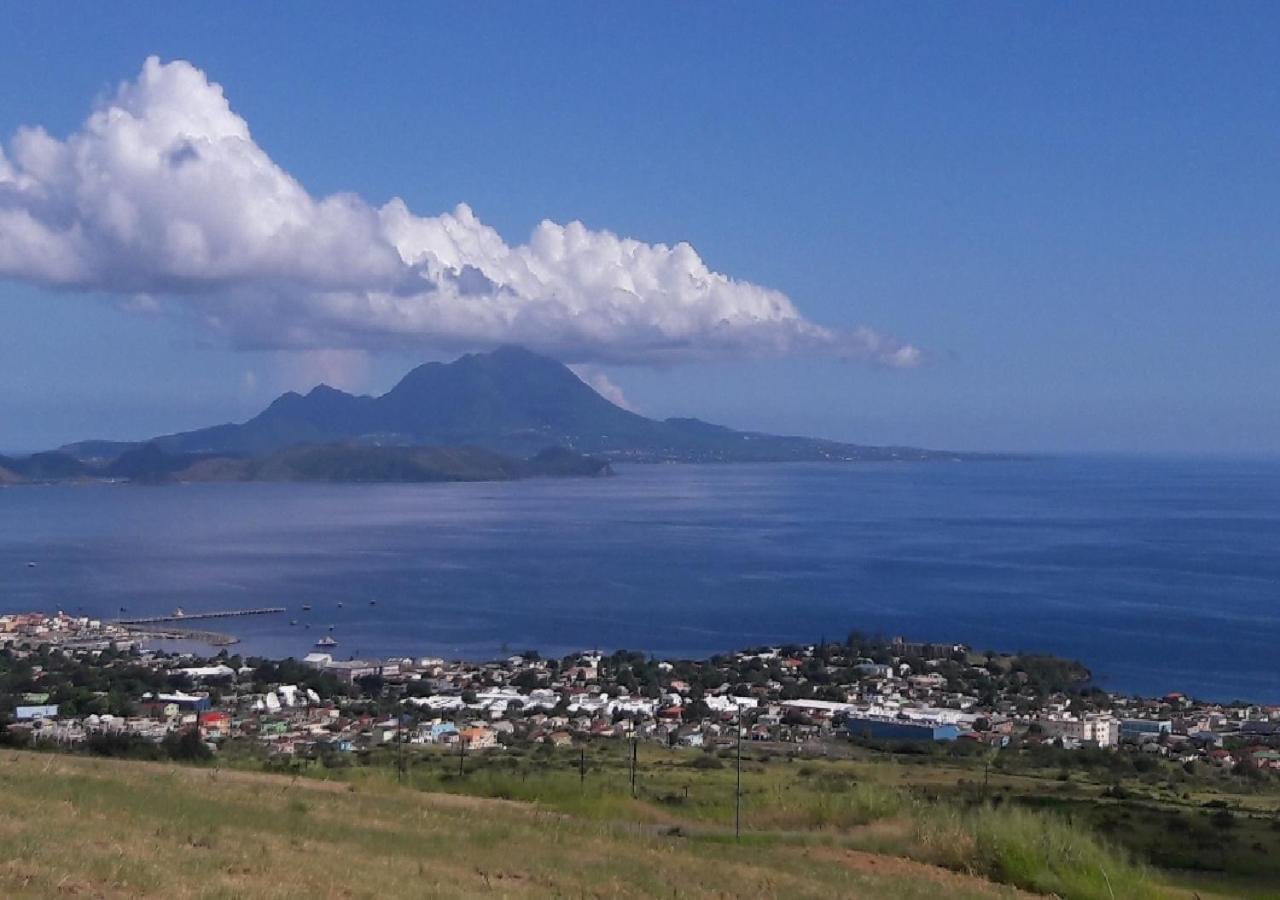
(485, 415)
(151, 464)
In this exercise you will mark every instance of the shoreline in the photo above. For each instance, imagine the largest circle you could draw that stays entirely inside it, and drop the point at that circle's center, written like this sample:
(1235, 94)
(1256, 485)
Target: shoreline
(272, 647)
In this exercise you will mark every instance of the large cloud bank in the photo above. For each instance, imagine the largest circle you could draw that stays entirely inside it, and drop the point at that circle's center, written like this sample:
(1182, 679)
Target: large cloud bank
(163, 196)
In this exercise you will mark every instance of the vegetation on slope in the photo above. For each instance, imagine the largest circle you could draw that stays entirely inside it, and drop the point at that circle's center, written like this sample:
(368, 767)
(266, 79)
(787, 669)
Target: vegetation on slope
(110, 828)
(840, 803)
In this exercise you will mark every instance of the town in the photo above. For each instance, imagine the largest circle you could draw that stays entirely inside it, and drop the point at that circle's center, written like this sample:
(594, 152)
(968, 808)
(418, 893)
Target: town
(67, 681)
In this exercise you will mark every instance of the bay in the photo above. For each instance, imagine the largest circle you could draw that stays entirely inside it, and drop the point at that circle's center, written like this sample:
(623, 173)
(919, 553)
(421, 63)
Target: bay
(1161, 575)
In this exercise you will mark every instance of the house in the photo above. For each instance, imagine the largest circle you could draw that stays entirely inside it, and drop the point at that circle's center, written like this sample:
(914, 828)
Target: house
(1221, 757)
(1266, 759)
(439, 733)
(873, 670)
(385, 732)
(29, 713)
(209, 672)
(214, 724)
(351, 671)
(690, 738)
(479, 738)
(194, 703)
(158, 709)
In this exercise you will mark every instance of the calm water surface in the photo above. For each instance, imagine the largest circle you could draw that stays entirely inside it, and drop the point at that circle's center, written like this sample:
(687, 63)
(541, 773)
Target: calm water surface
(1159, 575)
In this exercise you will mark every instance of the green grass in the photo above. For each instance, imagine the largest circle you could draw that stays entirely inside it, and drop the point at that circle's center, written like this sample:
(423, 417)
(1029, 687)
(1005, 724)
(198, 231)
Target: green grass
(1034, 830)
(1033, 850)
(877, 806)
(107, 828)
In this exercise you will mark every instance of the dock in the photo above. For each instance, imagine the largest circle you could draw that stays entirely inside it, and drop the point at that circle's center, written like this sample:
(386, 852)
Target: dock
(190, 617)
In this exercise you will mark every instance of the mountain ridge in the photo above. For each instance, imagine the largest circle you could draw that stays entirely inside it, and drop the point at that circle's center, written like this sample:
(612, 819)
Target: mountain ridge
(511, 401)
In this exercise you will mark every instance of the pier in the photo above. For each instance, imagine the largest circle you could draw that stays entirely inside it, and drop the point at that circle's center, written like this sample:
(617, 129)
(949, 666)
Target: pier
(190, 617)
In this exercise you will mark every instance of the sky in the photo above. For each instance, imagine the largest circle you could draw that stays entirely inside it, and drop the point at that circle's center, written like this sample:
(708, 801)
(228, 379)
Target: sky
(1036, 227)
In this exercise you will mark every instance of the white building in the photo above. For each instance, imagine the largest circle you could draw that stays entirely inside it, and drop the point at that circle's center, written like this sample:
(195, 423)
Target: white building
(1095, 730)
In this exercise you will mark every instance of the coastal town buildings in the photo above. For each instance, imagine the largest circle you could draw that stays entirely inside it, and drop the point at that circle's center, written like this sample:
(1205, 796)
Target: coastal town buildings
(882, 693)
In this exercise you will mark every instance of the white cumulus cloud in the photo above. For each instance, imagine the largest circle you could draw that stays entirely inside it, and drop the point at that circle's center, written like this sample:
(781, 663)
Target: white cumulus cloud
(163, 197)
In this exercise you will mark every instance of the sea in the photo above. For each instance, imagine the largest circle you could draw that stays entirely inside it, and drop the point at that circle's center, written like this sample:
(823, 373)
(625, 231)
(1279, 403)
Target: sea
(1160, 575)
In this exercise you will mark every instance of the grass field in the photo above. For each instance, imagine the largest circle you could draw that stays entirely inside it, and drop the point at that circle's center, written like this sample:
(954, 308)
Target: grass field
(76, 826)
(537, 822)
(908, 806)
(857, 804)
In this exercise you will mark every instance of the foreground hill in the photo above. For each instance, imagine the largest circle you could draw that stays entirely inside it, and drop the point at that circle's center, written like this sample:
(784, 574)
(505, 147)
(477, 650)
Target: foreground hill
(73, 826)
(510, 401)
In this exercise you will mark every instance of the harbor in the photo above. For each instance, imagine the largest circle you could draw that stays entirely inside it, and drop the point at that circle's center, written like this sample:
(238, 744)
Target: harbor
(142, 627)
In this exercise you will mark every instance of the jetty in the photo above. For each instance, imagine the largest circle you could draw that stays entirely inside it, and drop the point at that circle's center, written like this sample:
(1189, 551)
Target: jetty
(190, 617)
(213, 638)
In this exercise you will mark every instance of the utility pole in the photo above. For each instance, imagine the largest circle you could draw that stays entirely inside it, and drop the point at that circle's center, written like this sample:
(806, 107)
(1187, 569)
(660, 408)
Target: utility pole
(737, 799)
(462, 754)
(582, 767)
(635, 749)
(399, 746)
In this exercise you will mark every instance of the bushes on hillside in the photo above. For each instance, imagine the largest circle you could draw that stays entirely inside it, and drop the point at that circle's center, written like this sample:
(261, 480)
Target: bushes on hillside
(1031, 850)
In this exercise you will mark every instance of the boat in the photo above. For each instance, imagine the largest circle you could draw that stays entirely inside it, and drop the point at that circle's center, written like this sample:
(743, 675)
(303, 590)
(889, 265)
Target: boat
(306, 607)
(31, 565)
(293, 621)
(339, 604)
(326, 641)
(178, 613)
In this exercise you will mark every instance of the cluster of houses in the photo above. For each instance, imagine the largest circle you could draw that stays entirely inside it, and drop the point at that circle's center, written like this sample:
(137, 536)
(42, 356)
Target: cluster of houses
(75, 632)
(806, 695)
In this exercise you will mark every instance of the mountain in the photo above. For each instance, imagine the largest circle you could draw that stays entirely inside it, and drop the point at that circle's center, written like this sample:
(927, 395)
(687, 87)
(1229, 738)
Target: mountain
(510, 401)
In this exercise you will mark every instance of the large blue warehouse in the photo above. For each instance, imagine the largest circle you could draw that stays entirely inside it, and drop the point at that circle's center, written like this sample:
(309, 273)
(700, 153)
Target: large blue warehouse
(900, 730)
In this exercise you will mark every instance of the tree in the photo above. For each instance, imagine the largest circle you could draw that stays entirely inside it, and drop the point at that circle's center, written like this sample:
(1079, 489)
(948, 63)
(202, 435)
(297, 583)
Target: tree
(186, 746)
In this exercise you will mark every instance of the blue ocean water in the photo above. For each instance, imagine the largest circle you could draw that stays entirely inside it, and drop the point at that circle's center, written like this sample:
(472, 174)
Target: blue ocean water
(1160, 575)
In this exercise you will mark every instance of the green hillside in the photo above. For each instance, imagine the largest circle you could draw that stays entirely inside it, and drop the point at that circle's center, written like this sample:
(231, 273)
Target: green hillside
(75, 826)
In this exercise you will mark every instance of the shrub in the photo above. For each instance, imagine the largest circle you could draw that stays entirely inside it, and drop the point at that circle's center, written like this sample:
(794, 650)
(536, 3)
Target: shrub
(856, 804)
(706, 761)
(1031, 850)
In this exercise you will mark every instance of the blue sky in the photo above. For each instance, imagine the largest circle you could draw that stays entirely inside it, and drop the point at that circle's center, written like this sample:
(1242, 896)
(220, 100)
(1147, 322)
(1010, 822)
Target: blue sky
(1070, 210)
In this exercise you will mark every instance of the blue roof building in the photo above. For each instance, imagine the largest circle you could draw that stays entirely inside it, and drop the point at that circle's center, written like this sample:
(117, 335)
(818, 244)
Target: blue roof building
(878, 729)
